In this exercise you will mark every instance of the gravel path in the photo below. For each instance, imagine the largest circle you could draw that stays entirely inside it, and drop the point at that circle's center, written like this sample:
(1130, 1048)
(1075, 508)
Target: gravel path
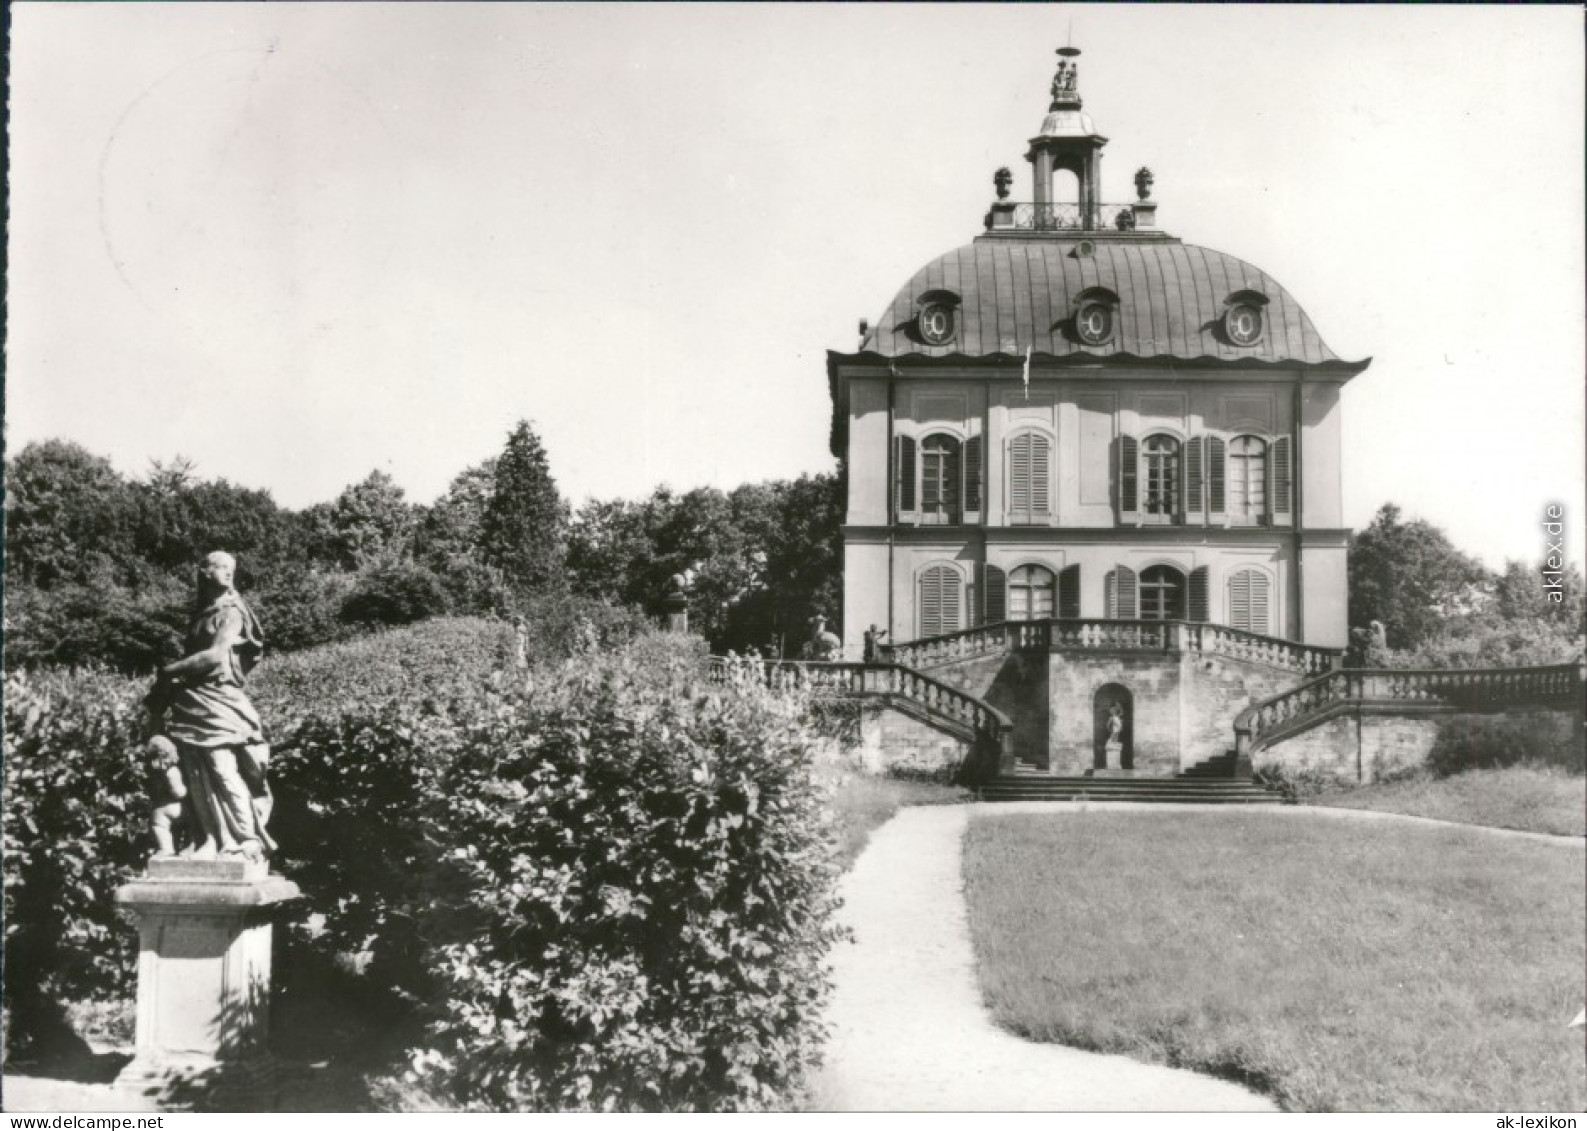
(910, 1032)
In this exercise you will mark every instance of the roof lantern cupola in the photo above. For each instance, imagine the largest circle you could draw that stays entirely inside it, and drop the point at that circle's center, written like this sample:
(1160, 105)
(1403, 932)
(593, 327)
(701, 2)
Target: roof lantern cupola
(1069, 142)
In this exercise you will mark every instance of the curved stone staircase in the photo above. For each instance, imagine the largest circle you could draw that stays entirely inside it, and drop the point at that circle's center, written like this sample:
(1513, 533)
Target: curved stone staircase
(1224, 779)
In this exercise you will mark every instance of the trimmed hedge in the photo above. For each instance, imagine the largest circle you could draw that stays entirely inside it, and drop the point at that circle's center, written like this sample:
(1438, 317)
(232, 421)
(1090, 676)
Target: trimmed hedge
(604, 883)
(75, 826)
(635, 903)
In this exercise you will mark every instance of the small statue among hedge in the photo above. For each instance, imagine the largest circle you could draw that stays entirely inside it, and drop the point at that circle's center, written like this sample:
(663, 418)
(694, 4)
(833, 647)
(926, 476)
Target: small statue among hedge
(198, 707)
(168, 791)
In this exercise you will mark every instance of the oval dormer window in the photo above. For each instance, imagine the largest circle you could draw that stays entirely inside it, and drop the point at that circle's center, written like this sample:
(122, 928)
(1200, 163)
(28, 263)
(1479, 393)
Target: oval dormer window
(1094, 322)
(936, 317)
(1242, 317)
(936, 323)
(1244, 324)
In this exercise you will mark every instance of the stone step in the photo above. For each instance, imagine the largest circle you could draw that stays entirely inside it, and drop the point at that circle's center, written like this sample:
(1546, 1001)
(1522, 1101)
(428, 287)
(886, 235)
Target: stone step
(1148, 798)
(1161, 790)
(1129, 783)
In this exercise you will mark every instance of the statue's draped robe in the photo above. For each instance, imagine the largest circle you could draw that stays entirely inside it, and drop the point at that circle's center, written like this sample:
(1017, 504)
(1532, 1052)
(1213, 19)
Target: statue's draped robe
(218, 731)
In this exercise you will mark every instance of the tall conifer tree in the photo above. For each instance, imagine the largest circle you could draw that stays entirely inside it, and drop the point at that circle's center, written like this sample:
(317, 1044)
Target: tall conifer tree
(523, 531)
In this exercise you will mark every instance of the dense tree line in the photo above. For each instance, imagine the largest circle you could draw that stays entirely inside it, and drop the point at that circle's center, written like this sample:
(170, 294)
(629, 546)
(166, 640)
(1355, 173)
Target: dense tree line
(1440, 607)
(99, 564)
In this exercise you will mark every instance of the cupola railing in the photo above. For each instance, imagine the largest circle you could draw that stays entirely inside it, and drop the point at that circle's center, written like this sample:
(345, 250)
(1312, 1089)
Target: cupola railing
(1030, 217)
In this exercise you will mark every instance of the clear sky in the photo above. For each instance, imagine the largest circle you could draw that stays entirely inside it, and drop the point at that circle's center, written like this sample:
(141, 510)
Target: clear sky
(299, 242)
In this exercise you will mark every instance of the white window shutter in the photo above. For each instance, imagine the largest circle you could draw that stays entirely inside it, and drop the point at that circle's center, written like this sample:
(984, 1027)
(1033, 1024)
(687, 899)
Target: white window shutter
(1122, 604)
(1040, 477)
(939, 601)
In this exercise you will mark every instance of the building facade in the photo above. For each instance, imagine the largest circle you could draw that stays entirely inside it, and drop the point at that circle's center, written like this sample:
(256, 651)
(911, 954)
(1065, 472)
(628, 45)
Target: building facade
(1077, 415)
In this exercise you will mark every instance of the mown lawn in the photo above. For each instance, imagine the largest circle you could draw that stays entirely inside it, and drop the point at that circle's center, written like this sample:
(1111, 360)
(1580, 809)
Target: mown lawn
(1539, 799)
(1335, 965)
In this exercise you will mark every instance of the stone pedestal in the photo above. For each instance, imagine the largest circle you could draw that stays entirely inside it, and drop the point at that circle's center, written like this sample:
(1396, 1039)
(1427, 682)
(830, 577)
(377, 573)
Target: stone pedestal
(677, 608)
(204, 935)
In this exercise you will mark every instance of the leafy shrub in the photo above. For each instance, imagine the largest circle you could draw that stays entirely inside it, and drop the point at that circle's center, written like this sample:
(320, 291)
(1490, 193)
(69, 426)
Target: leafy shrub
(75, 828)
(302, 609)
(634, 901)
(1484, 742)
(395, 592)
(79, 624)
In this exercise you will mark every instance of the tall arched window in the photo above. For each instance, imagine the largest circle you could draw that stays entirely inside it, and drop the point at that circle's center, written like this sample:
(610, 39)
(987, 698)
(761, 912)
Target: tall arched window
(941, 601)
(1029, 473)
(1248, 603)
(1032, 593)
(1247, 479)
(1162, 594)
(939, 479)
(1160, 472)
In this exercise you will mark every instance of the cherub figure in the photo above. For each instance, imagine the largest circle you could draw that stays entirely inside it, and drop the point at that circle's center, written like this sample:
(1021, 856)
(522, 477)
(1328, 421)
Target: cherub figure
(167, 790)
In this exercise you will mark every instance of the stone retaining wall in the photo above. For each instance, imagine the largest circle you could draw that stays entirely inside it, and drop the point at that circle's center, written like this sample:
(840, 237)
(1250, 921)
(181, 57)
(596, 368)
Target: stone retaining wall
(1363, 749)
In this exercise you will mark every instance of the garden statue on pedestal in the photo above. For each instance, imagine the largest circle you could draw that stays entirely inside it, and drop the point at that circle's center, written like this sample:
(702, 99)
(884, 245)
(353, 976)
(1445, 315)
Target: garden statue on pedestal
(198, 703)
(204, 915)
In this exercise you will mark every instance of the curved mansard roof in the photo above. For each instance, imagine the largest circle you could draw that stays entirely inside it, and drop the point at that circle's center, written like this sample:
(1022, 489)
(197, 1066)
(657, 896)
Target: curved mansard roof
(1015, 294)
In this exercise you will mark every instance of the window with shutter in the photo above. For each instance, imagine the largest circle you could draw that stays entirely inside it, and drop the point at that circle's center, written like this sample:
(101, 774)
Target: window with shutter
(1282, 482)
(1032, 593)
(1195, 476)
(1162, 594)
(973, 477)
(1247, 480)
(1215, 477)
(939, 480)
(1121, 594)
(1069, 591)
(995, 588)
(1129, 479)
(904, 470)
(1198, 595)
(1248, 601)
(1029, 479)
(1160, 472)
(939, 601)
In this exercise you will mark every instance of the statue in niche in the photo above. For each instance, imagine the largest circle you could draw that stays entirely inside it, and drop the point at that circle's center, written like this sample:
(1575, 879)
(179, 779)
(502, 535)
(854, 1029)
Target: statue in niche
(1113, 745)
(198, 705)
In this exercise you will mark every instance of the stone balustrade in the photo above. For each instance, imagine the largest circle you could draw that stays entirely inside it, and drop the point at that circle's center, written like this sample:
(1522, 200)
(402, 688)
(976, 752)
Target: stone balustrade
(982, 722)
(1445, 689)
(1098, 635)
